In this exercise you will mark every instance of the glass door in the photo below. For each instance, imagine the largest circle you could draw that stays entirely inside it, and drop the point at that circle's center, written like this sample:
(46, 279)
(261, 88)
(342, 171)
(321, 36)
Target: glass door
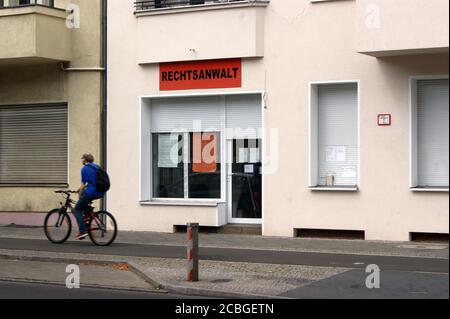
(245, 181)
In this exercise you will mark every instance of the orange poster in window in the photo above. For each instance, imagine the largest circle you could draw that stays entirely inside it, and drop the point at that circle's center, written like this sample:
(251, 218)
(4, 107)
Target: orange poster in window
(204, 153)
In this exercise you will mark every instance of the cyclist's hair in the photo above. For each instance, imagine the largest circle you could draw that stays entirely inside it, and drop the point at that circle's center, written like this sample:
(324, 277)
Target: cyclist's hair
(88, 158)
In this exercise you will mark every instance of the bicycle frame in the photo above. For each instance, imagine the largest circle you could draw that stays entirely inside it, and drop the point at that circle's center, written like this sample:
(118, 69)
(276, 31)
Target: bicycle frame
(68, 207)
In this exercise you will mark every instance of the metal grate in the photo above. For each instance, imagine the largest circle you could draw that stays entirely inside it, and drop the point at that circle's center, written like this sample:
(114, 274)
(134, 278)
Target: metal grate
(160, 4)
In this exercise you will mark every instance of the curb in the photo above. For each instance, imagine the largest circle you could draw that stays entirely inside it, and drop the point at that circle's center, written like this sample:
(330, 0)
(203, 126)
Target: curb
(135, 268)
(204, 292)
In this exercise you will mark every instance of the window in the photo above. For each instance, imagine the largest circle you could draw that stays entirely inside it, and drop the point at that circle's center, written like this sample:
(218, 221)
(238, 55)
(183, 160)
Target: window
(186, 165)
(168, 167)
(429, 133)
(16, 3)
(33, 144)
(334, 145)
(185, 141)
(204, 177)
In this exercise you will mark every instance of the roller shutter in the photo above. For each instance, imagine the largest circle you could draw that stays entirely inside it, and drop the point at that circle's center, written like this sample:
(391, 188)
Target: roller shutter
(33, 144)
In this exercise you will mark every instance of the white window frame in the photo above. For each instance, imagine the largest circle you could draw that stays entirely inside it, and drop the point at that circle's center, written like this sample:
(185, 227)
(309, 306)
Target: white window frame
(186, 159)
(148, 198)
(413, 174)
(313, 160)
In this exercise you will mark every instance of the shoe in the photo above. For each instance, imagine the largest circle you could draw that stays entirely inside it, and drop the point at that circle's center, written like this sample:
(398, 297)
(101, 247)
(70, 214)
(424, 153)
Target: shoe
(81, 236)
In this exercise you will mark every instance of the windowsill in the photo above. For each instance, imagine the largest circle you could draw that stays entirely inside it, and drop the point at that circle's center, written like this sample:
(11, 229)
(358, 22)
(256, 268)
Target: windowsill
(180, 203)
(430, 189)
(334, 188)
(200, 7)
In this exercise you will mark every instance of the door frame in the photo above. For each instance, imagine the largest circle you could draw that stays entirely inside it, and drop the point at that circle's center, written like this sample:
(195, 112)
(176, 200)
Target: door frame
(229, 182)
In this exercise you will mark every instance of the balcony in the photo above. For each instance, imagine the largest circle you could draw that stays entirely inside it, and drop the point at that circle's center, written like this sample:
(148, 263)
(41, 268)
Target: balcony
(33, 32)
(402, 27)
(188, 30)
(146, 5)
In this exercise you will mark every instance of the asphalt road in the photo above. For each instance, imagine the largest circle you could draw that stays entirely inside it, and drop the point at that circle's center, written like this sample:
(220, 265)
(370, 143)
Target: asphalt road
(238, 255)
(22, 290)
(393, 285)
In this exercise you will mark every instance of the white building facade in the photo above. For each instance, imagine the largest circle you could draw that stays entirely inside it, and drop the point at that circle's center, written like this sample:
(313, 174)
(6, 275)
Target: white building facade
(304, 117)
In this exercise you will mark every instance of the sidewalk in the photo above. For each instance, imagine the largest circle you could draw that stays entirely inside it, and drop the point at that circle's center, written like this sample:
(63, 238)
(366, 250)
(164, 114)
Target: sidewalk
(217, 279)
(247, 279)
(357, 247)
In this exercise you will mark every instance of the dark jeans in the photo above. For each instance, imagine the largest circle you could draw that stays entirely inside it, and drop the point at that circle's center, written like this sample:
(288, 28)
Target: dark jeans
(79, 210)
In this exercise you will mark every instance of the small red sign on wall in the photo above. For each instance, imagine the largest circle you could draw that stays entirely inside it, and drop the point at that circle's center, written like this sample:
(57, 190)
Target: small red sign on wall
(209, 74)
(384, 119)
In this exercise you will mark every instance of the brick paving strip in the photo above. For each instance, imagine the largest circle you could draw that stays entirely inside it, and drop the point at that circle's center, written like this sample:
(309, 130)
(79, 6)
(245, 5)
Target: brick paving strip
(217, 279)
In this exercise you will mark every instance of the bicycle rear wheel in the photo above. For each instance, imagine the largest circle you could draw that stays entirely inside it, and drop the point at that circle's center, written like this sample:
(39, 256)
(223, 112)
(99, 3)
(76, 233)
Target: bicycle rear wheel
(57, 226)
(102, 228)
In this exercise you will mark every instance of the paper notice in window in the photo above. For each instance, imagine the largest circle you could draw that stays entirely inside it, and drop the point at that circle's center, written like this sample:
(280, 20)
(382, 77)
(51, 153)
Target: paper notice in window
(341, 153)
(330, 154)
(254, 155)
(249, 169)
(336, 154)
(168, 151)
(349, 172)
(243, 156)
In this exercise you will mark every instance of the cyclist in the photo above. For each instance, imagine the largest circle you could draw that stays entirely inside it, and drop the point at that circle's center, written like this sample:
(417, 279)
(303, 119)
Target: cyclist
(87, 192)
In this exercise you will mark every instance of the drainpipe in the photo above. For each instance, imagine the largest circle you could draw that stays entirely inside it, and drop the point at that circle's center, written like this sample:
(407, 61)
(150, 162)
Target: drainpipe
(103, 115)
(104, 91)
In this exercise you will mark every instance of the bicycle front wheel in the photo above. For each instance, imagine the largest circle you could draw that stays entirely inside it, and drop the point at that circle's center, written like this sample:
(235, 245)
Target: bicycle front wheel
(102, 228)
(57, 226)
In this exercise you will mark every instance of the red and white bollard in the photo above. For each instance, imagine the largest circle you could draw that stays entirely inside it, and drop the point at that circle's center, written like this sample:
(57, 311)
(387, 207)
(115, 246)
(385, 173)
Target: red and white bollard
(192, 251)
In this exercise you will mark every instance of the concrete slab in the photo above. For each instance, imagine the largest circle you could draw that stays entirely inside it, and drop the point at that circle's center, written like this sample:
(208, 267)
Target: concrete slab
(112, 276)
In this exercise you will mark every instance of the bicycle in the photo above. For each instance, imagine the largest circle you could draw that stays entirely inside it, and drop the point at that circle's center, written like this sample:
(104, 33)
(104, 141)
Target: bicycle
(101, 225)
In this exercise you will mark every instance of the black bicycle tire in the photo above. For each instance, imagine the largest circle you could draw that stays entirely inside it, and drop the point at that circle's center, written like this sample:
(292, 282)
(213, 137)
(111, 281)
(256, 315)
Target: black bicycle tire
(57, 210)
(115, 229)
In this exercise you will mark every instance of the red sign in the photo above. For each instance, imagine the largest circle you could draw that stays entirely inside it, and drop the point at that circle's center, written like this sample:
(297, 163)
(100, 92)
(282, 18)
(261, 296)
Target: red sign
(384, 119)
(209, 74)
